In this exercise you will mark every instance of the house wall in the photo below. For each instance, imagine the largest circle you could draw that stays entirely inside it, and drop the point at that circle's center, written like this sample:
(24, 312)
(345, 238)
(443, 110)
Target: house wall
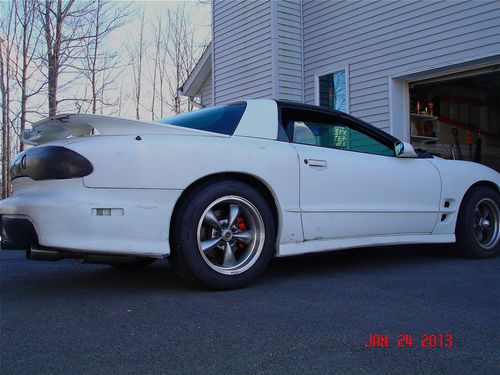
(290, 63)
(383, 39)
(206, 92)
(242, 50)
(275, 49)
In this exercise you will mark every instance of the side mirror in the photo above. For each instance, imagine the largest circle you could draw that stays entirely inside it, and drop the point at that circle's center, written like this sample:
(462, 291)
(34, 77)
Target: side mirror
(404, 150)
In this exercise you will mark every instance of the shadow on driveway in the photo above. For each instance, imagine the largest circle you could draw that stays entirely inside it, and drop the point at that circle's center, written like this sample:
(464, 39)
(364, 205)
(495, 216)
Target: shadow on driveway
(50, 277)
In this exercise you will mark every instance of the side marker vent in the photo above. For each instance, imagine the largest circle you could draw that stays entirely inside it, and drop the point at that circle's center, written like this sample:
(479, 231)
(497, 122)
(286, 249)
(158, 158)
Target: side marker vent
(107, 212)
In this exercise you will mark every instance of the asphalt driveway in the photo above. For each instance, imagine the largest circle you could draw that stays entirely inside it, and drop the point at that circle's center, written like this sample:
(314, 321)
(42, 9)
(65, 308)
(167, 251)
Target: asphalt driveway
(309, 314)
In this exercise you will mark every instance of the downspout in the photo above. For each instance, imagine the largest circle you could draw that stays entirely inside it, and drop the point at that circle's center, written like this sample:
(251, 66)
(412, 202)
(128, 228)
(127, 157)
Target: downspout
(213, 53)
(274, 50)
(302, 78)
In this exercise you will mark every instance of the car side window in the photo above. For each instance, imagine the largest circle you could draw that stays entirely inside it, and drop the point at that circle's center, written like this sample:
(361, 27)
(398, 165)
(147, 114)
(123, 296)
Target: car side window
(338, 135)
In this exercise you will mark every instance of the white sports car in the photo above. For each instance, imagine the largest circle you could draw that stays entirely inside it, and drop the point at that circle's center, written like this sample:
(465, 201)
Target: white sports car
(222, 190)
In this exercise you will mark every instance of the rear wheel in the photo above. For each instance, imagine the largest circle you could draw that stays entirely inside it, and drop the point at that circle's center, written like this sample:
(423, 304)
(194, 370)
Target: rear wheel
(223, 236)
(478, 223)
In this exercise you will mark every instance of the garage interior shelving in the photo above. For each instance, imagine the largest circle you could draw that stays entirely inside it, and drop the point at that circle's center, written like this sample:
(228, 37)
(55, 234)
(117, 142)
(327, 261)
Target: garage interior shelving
(458, 117)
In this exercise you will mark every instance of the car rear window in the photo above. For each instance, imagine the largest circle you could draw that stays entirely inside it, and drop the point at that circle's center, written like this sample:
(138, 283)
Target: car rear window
(219, 119)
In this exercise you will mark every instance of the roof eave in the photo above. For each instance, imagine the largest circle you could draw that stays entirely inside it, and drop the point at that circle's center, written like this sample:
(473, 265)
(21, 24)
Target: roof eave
(199, 74)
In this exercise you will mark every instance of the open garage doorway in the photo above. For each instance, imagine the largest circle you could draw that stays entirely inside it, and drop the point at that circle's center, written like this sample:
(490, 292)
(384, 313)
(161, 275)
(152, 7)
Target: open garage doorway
(458, 116)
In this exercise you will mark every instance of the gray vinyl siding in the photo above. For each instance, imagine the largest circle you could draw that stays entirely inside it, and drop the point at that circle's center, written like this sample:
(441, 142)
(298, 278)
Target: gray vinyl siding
(206, 92)
(290, 64)
(382, 39)
(242, 50)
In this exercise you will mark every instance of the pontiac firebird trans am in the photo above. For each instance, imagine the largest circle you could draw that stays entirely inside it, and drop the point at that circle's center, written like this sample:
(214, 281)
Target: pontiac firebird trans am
(222, 190)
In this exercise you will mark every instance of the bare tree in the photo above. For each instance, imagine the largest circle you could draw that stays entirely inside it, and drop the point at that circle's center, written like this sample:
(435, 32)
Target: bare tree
(157, 63)
(119, 102)
(137, 55)
(181, 50)
(63, 26)
(162, 77)
(9, 31)
(5, 117)
(99, 62)
(163, 71)
(55, 51)
(28, 43)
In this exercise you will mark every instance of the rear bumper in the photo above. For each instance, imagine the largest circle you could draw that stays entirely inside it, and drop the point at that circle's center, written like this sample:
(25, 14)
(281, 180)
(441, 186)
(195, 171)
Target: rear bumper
(65, 214)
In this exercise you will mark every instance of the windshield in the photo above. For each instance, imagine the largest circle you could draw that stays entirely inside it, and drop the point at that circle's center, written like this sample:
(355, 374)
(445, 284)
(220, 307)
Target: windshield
(220, 119)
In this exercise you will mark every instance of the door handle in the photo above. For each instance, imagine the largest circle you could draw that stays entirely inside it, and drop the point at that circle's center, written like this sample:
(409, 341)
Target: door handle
(316, 163)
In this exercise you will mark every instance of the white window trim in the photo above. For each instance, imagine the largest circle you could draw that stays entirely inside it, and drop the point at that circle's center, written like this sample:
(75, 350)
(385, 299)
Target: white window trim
(347, 86)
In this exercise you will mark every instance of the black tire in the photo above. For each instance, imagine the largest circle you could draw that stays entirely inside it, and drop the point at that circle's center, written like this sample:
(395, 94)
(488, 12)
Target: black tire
(477, 230)
(6, 244)
(189, 233)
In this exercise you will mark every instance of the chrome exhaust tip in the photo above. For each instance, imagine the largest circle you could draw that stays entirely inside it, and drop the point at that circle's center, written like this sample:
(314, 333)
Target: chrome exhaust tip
(34, 253)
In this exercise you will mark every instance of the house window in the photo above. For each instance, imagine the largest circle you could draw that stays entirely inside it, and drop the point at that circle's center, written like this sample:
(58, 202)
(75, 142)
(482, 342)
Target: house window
(333, 91)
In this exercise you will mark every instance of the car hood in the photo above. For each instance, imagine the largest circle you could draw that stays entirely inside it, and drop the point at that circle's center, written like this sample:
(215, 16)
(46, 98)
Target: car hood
(69, 126)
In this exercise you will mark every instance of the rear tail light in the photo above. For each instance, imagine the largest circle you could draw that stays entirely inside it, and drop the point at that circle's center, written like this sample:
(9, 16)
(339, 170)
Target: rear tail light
(50, 163)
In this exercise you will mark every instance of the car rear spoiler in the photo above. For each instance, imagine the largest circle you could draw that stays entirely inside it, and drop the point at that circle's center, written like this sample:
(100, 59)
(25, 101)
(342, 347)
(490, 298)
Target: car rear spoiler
(77, 125)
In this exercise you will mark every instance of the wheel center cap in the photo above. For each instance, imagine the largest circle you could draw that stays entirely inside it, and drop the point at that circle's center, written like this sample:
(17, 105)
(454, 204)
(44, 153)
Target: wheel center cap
(227, 235)
(484, 223)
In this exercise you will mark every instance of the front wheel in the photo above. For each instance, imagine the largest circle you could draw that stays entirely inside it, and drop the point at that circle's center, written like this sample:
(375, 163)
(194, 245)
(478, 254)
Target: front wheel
(478, 223)
(223, 236)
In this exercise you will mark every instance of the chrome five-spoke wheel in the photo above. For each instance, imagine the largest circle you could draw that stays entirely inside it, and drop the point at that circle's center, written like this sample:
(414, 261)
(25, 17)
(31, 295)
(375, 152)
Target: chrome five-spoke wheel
(223, 235)
(486, 223)
(230, 235)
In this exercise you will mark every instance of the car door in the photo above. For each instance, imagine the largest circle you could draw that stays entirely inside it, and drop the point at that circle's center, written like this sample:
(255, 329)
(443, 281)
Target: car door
(352, 184)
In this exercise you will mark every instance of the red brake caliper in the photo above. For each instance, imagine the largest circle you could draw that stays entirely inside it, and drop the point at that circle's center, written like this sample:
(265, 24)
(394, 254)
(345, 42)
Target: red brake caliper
(240, 223)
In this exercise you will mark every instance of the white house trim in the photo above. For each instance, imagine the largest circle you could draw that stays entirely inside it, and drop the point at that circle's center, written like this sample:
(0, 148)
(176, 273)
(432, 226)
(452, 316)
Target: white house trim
(399, 103)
